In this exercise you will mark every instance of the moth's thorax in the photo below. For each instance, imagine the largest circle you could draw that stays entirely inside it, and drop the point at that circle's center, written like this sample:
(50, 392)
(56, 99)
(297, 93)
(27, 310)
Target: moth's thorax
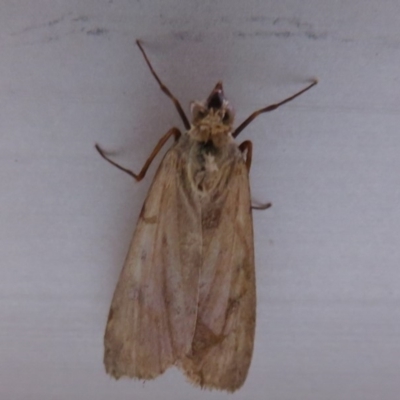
(211, 150)
(209, 162)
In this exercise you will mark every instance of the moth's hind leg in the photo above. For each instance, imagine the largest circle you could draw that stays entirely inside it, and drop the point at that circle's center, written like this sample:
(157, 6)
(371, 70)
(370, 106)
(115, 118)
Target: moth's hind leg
(261, 206)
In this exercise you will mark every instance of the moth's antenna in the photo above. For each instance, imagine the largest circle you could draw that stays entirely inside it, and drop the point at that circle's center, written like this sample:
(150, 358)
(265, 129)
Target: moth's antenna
(165, 89)
(269, 108)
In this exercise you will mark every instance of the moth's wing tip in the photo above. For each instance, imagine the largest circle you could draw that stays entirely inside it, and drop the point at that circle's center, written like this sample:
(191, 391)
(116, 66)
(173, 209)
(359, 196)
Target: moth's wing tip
(112, 372)
(197, 379)
(210, 387)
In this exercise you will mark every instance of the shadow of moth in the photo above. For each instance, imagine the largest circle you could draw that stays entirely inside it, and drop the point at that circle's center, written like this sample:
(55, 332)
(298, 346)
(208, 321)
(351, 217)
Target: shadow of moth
(186, 295)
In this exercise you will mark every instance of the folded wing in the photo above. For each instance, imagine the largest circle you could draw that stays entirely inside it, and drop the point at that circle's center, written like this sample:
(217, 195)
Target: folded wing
(153, 312)
(223, 341)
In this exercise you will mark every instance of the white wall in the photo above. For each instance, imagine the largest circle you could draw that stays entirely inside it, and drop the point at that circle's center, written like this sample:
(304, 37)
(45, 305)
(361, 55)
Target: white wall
(327, 252)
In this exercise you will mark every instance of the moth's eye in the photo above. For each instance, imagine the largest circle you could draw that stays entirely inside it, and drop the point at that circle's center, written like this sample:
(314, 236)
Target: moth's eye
(198, 112)
(227, 117)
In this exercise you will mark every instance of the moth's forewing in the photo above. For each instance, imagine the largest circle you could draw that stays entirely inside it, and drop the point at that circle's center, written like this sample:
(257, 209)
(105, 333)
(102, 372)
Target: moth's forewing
(153, 312)
(223, 341)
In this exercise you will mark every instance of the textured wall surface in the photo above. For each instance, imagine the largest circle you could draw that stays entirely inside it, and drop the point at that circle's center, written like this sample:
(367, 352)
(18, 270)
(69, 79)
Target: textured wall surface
(327, 252)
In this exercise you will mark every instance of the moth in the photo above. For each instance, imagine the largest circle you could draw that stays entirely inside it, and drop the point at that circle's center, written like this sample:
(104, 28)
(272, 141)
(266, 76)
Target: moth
(186, 295)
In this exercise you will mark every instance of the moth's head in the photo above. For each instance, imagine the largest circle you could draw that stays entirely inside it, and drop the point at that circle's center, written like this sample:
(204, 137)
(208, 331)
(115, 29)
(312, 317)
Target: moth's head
(215, 113)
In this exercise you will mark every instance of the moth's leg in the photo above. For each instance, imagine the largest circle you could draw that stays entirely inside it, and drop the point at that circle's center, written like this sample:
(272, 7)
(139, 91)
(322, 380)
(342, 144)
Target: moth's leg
(247, 147)
(165, 89)
(172, 132)
(269, 108)
(262, 206)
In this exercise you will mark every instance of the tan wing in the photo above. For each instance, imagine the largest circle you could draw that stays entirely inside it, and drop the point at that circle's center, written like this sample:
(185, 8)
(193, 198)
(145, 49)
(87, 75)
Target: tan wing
(153, 311)
(223, 342)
